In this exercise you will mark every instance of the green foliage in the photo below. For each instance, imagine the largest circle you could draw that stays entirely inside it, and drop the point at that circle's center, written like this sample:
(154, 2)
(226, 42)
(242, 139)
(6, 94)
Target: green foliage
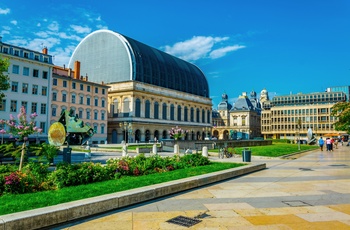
(341, 111)
(11, 149)
(45, 150)
(4, 79)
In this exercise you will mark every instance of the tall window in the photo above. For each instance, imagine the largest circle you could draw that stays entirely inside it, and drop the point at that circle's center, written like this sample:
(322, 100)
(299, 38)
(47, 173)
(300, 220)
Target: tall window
(42, 126)
(73, 98)
(126, 107)
(73, 85)
(115, 106)
(35, 90)
(45, 74)
(102, 129)
(80, 113)
(54, 81)
(192, 115)
(156, 110)
(15, 69)
(81, 100)
(35, 73)
(14, 86)
(25, 71)
(88, 88)
(172, 112)
(13, 106)
(138, 108)
(24, 104)
(102, 116)
(88, 101)
(164, 112)
(179, 113)
(87, 114)
(186, 114)
(64, 84)
(3, 105)
(43, 108)
(197, 116)
(64, 97)
(103, 103)
(34, 107)
(95, 115)
(103, 91)
(54, 96)
(81, 87)
(147, 109)
(203, 116)
(53, 112)
(96, 89)
(44, 91)
(96, 101)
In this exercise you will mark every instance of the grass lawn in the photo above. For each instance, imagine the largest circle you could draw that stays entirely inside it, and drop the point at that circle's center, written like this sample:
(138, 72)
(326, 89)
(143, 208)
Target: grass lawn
(22, 202)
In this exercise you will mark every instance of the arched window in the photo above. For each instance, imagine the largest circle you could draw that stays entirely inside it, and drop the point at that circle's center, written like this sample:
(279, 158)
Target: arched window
(192, 115)
(179, 113)
(197, 116)
(126, 107)
(203, 116)
(164, 111)
(172, 112)
(138, 108)
(147, 109)
(156, 110)
(186, 114)
(115, 106)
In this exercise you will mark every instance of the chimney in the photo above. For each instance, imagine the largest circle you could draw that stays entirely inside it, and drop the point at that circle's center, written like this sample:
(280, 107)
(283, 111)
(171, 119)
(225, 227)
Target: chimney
(45, 50)
(86, 77)
(77, 69)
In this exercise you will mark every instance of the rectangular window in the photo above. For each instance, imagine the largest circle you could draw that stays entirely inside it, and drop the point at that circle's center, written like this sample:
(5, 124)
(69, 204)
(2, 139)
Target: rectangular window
(14, 86)
(35, 73)
(44, 91)
(46, 59)
(102, 129)
(53, 112)
(35, 89)
(54, 96)
(25, 71)
(3, 105)
(43, 108)
(36, 57)
(88, 88)
(95, 115)
(24, 105)
(73, 85)
(87, 115)
(24, 87)
(64, 97)
(80, 114)
(81, 100)
(103, 103)
(5, 50)
(42, 126)
(26, 55)
(54, 82)
(64, 84)
(73, 99)
(13, 107)
(88, 101)
(96, 102)
(103, 91)
(96, 90)
(16, 53)
(15, 69)
(45, 74)
(81, 87)
(102, 116)
(34, 107)
(95, 128)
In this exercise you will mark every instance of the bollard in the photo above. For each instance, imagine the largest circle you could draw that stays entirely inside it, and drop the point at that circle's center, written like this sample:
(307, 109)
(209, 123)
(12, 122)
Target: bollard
(154, 149)
(205, 151)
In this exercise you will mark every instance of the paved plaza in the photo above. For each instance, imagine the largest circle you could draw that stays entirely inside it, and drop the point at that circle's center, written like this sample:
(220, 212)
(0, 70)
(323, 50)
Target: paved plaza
(310, 192)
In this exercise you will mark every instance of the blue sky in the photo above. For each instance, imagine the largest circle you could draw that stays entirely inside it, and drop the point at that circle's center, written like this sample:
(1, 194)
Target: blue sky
(285, 46)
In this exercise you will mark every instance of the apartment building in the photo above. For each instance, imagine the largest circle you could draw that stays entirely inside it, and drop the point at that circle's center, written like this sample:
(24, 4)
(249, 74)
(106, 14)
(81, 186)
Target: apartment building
(88, 100)
(292, 116)
(30, 74)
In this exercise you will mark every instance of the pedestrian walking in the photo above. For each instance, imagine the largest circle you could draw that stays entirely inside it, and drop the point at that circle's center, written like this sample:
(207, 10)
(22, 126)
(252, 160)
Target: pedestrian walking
(328, 144)
(321, 143)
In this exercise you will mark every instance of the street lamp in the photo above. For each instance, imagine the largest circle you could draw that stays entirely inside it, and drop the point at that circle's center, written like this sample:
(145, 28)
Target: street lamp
(207, 131)
(127, 127)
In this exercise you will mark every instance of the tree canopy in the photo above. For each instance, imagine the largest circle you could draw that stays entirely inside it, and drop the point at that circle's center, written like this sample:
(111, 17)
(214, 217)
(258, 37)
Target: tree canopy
(4, 79)
(341, 110)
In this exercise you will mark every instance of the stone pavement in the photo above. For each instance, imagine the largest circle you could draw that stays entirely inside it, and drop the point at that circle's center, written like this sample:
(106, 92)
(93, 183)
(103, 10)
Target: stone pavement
(311, 192)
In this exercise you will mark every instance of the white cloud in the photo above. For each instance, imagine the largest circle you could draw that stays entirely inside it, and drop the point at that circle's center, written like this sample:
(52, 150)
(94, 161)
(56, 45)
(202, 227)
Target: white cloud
(200, 47)
(5, 11)
(54, 26)
(42, 34)
(62, 56)
(6, 28)
(80, 29)
(218, 53)
(14, 22)
(74, 37)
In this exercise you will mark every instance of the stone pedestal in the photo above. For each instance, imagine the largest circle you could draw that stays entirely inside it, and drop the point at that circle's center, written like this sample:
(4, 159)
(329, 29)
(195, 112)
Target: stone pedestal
(154, 149)
(205, 151)
(125, 151)
(176, 149)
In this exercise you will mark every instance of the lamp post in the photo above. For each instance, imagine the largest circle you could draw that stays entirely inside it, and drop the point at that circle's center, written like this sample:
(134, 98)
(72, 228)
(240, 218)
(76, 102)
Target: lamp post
(129, 132)
(126, 127)
(207, 131)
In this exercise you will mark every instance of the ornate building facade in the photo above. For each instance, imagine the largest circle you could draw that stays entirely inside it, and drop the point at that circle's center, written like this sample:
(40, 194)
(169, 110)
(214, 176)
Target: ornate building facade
(150, 91)
(238, 121)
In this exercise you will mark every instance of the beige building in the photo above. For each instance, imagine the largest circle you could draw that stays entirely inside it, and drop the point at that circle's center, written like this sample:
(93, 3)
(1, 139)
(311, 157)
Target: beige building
(88, 100)
(238, 121)
(150, 91)
(293, 116)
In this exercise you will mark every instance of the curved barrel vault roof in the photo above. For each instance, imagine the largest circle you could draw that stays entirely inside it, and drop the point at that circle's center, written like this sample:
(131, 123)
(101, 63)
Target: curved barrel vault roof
(111, 57)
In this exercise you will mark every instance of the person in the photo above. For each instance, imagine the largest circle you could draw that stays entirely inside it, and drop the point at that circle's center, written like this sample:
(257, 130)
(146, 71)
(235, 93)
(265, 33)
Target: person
(332, 143)
(328, 144)
(336, 143)
(321, 143)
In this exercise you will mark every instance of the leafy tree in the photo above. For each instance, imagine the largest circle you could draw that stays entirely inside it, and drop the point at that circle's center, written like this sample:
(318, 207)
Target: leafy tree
(341, 110)
(4, 79)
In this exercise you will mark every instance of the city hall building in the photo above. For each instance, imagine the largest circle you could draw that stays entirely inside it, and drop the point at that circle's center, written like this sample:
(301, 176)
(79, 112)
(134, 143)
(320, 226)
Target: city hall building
(150, 91)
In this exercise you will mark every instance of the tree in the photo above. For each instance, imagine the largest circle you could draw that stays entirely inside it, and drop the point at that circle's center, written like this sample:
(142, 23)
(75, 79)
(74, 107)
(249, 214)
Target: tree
(4, 79)
(341, 111)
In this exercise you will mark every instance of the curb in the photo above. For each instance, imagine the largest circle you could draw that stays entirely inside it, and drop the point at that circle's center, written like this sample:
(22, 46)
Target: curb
(62, 213)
